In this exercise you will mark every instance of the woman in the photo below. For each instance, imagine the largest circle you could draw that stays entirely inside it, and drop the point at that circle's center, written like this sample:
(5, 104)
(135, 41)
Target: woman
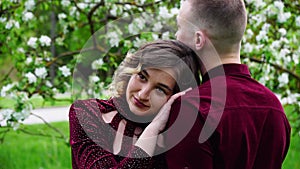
(122, 132)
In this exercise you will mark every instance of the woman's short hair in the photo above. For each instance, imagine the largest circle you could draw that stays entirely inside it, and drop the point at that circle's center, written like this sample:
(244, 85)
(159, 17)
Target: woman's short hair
(159, 54)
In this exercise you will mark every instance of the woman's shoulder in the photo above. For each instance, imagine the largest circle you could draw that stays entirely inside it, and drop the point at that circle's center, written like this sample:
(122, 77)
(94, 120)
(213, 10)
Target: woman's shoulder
(93, 105)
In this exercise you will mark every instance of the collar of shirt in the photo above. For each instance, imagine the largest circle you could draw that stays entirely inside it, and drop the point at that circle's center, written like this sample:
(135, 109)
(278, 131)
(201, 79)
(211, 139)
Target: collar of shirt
(225, 70)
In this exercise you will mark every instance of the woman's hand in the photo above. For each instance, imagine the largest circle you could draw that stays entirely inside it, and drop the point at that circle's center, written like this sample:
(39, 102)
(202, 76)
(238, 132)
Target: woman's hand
(148, 139)
(160, 120)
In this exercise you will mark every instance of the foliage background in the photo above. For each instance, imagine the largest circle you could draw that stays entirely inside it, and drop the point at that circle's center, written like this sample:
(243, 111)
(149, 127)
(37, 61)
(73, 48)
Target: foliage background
(51, 47)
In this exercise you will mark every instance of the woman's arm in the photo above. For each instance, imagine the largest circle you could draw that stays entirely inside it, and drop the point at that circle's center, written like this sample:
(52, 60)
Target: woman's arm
(148, 139)
(86, 128)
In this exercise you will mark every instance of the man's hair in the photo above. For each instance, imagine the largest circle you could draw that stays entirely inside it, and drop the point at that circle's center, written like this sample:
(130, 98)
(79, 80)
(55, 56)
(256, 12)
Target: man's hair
(224, 20)
(159, 54)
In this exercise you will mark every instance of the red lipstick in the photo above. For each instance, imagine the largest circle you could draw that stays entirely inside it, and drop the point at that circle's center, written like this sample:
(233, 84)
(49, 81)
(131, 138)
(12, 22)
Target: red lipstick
(139, 103)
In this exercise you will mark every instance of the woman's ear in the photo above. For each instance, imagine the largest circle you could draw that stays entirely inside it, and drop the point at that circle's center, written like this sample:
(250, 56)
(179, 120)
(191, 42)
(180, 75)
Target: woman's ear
(199, 40)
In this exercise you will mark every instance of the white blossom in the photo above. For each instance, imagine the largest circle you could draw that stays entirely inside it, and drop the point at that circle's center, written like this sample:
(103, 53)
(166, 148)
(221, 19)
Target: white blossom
(283, 17)
(10, 24)
(48, 84)
(45, 40)
(5, 89)
(174, 11)
(140, 22)
(142, 2)
(41, 72)
(164, 13)
(291, 98)
(279, 5)
(97, 64)
(114, 39)
(260, 3)
(266, 27)
(65, 3)
(155, 36)
(249, 1)
(283, 79)
(271, 11)
(261, 36)
(28, 60)
(114, 10)
(133, 29)
(249, 33)
(32, 42)
(275, 44)
(6, 114)
(21, 50)
(283, 53)
(296, 58)
(65, 70)
(94, 79)
(31, 77)
(21, 115)
(82, 5)
(62, 16)
(28, 16)
(248, 48)
(282, 31)
(138, 42)
(157, 27)
(2, 19)
(166, 35)
(29, 4)
(298, 21)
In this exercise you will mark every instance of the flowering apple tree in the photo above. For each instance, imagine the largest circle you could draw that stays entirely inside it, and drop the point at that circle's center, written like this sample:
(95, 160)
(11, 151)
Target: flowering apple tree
(75, 45)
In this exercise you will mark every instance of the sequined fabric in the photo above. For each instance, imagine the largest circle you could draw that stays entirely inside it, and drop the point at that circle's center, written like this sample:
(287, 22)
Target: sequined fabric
(91, 139)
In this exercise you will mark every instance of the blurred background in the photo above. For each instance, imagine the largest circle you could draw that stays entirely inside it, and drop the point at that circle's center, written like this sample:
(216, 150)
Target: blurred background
(54, 52)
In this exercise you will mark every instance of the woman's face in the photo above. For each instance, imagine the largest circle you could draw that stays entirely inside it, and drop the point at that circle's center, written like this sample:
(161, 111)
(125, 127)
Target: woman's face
(149, 90)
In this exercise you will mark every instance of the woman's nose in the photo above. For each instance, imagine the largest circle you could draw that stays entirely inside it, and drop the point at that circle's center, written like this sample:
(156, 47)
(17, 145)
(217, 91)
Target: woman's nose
(144, 93)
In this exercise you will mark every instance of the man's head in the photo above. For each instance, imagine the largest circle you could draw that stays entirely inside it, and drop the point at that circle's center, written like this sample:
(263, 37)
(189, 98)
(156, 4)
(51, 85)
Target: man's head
(220, 22)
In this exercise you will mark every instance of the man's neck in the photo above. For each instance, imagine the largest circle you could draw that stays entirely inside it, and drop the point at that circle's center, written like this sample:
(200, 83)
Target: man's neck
(208, 64)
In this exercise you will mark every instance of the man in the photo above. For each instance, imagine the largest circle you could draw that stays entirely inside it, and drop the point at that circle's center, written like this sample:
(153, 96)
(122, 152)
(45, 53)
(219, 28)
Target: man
(239, 124)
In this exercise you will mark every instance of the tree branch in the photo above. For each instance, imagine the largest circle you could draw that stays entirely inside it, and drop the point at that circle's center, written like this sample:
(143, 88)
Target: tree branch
(275, 66)
(7, 75)
(62, 136)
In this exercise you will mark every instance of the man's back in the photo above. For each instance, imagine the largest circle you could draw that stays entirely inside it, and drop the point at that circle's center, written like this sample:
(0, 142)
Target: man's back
(253, 131)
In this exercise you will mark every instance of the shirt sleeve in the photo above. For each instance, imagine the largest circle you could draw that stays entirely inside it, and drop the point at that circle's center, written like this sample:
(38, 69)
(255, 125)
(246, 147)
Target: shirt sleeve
(86, 136)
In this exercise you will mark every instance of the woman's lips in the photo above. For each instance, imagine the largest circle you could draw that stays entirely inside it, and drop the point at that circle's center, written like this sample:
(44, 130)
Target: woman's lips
(138, 103)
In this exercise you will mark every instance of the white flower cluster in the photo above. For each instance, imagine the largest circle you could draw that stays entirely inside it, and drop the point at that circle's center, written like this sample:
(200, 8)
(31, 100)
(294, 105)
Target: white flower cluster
(97, 64)
(114, 38)
(44, 41)
(27, 16)
(65, 71)
(137, 25)
(12, 23)
(38, 72)
(291, 98)
(29, 4)
(282, 16)
(5, 89)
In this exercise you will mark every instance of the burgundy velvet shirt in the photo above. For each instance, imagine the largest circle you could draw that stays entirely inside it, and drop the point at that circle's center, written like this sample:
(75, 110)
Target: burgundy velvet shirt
(91, 138)
(244, 122)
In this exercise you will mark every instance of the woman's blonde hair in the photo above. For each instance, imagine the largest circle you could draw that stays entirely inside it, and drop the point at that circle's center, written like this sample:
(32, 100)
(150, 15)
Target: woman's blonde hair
(158, 54)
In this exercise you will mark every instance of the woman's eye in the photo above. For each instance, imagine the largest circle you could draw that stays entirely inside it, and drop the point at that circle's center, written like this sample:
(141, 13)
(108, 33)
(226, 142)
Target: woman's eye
(161, 90)
(141, 76)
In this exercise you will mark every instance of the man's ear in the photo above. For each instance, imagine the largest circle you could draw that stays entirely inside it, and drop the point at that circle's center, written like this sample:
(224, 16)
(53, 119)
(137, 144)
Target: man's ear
(199, 40)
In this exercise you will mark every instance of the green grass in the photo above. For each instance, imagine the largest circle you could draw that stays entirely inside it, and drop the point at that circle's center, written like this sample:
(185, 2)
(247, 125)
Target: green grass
(24, 151)
(292, 159)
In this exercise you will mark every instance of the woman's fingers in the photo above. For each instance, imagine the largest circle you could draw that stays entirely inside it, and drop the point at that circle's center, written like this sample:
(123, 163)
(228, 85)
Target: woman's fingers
(163, 115)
